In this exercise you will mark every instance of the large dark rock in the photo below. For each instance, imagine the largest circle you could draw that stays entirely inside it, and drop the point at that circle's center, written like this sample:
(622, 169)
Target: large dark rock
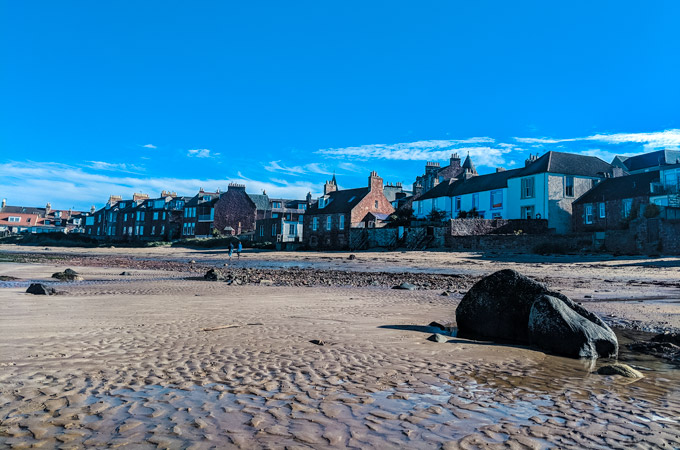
(40, 289)
(213, 275)
(561, 326)
(499, 307)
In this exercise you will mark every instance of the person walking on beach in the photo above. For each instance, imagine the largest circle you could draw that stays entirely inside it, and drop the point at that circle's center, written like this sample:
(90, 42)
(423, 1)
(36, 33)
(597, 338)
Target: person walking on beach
(231, 250)
(239, 249)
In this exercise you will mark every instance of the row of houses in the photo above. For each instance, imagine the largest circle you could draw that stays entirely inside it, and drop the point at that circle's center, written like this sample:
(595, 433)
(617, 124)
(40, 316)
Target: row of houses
(570, 192)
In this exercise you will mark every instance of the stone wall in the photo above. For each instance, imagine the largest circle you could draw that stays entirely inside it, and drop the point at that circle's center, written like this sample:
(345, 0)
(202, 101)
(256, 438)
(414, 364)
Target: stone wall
(477, 226)
(417, 238)
(523, 243)
(235, 209)
(645, 236)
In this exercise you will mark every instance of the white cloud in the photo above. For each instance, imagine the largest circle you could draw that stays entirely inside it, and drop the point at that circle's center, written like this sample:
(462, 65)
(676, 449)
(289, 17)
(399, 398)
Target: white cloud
(149, 146)
(201, 153)
(36, 183)
(605, 155)
(424, 151)
(274, 166)
(651, 141)
(115, 167)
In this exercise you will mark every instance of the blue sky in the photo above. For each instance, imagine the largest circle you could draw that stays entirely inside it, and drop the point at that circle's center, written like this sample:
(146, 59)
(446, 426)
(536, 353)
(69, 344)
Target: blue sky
(100, 98)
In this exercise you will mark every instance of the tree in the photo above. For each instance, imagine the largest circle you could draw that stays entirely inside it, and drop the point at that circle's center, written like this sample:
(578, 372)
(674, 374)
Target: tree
(402, 217)
(436, 215)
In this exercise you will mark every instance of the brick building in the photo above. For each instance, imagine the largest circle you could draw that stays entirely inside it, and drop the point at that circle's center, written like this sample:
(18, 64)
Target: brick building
(23, 219)
(328, 220)
(199, 214)
(236, 209)
(282, 222)
(613, 202)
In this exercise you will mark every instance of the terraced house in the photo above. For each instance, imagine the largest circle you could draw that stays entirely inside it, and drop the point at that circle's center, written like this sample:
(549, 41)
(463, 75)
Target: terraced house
(328, 220)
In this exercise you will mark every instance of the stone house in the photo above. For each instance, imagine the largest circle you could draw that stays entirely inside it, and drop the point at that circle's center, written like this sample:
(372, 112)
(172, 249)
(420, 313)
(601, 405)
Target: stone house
(613, 202)
(647, 162)
(434, 174)
(327, 221)
(199, 214)
(547, 186)
(282, 221)
(667, 191)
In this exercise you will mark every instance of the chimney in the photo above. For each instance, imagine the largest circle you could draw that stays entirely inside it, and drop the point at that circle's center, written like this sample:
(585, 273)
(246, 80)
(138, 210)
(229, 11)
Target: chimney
(375, 183)
(531, 159)
(455, 161)
(330, 186)
(309, 198)
(500, 169)
(92, 209)
(48, 208)
(4, 202)
(236, 187)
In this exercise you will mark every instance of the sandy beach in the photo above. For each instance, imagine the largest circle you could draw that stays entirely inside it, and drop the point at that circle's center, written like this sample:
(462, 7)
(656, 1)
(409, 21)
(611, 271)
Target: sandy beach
(160, 358)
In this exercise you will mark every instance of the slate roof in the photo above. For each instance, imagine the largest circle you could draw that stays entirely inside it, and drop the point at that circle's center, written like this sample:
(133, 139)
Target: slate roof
(652, 159)
(630, 186)
(22, 210)
(340, 201)
(467, 164)
(479, 183)
(566, 164)
(261, 201)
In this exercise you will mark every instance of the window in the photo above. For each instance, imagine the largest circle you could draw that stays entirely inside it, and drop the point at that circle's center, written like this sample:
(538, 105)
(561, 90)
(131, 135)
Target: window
(276, 204)
(341, 226)
(420, 207)
(496, 215)
(376, 204)
(141, 230)
(475, 201)
(162, 229)
(626, 206)
(57, 214)
(125, 217)
(528, 187)
(301, 218)
(163, 215)
(588, 214)
(457, 203)
(14, 219)
(527, 212)
(153, 230)
(47, 222)
(315, 223)
(275, 215)
(328, 222)
(302, 206)
(274, 230)
(569, 186)
(155, 217)
(497, 199)
(322, 202)
(292, 229)
(602, 210)
(261, 230)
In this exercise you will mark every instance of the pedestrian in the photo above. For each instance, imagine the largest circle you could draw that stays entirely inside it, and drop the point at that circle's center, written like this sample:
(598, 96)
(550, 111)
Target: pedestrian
(239, 249)
(231, 250)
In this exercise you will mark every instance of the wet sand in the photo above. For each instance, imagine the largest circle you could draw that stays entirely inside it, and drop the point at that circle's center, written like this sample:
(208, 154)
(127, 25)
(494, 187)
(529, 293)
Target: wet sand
(126, 360)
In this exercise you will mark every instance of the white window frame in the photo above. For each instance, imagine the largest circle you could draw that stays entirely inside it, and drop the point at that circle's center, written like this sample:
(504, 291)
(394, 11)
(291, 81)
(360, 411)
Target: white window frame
(528, 187)
(588, 214)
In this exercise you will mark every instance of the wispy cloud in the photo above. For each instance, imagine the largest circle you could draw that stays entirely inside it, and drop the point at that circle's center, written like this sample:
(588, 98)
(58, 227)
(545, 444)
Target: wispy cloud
(201, 153)
(650, 141)
(276, 166)
(149, 146)
(115, 167)
(486, 155)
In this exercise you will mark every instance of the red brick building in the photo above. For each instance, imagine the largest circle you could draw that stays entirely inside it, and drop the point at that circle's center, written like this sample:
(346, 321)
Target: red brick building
(328, 220)
(235, 209)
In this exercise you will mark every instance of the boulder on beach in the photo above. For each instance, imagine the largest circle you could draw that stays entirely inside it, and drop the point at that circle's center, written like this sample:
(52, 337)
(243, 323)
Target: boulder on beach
(500, 306)
(561, 326)
(40, 289)
(67, 275)
(213, 275)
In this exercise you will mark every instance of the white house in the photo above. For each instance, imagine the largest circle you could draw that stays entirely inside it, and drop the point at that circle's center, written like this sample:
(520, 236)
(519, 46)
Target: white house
(486, 194)
(546, 187)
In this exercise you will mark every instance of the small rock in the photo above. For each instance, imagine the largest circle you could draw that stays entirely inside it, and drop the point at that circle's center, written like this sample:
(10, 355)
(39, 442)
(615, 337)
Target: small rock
(620, 369)
(266, 282)
(213, 275)
(445, 294)
(67, 275)
(405, 286)
(587, 296)
(125, 274)
(40, 289)
(352, 257)
(317, 342)
(437, 338)
(192, 262)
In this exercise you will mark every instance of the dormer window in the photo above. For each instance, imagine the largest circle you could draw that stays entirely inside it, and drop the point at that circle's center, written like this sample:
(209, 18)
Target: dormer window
(322, 202)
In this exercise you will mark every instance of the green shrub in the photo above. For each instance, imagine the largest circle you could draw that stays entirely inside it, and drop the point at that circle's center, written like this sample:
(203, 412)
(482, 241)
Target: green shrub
(651, 211)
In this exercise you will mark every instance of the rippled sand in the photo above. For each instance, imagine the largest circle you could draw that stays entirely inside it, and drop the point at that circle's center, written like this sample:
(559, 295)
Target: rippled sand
(126, 361)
